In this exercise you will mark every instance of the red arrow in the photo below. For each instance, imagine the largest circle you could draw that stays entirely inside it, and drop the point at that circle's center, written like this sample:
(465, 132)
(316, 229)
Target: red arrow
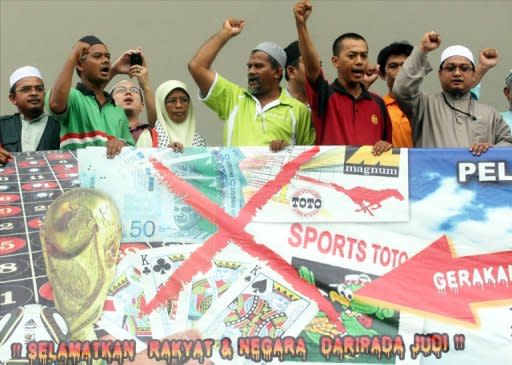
(437, 282)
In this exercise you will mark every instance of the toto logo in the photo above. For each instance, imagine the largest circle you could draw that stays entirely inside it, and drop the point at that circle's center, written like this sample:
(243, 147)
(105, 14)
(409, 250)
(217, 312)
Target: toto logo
(306, 202)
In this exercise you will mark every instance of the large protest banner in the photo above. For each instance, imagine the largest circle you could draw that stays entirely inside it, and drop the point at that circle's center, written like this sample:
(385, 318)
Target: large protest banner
(310, 255)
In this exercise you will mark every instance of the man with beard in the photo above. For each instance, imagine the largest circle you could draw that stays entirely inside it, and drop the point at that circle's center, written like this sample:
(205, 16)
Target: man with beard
(344, 112)
(30, 129)
(450, 118)
(263, 114)
(88, 115)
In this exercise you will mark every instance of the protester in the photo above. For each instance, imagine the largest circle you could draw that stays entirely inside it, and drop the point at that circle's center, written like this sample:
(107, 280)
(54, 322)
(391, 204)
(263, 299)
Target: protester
(450, 118)
(30, 129)
(295, 73)
(134, 98)
(507, 90)
(176, 122)
(88, 114)
(263, 114)
(390, 60)
(344, 112)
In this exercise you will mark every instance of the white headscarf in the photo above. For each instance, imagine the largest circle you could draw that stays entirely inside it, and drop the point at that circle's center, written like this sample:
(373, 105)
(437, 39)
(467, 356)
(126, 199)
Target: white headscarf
(181, 132)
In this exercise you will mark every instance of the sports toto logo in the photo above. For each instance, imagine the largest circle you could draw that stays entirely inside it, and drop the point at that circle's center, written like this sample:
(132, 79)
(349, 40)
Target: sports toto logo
(306, 202)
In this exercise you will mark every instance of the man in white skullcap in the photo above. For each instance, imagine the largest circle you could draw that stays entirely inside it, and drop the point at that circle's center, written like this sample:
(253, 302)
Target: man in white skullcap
(450, 118)
(29, 129)
(262, 114)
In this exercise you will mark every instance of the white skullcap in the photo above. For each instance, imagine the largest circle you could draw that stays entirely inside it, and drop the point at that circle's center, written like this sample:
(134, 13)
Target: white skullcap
(457, 51)
(273, 50)
(22, 72)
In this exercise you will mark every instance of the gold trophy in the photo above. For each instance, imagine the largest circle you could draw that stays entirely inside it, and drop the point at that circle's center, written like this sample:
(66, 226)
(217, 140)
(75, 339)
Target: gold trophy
(80, 237)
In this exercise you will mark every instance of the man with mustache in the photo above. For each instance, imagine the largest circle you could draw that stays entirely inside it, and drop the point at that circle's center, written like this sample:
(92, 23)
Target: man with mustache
(344, 112)
(450, 118)
(88, 114)
(30, 129)
(262, 114)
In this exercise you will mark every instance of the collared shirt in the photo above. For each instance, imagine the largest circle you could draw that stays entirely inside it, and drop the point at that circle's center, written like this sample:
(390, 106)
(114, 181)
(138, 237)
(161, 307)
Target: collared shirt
(341, 119)
(31, 132)
(402, 132)
(87, 123)
(250, 124)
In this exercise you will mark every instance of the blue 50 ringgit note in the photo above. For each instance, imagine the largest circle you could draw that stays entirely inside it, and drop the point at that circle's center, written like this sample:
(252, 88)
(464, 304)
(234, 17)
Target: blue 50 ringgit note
(149, 211)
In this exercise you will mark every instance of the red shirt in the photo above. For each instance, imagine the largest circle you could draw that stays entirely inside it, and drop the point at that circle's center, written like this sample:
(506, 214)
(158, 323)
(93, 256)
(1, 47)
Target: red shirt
(340, 119)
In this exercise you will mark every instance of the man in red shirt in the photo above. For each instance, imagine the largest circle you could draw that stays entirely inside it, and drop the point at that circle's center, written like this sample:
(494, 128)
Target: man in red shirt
(344, 112)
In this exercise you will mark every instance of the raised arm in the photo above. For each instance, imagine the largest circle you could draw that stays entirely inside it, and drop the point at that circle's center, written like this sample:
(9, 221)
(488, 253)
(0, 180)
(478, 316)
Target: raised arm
(141, 73)
(199, 65)
(407, 84)
(310, 58)
(60, 91)
(487, 59)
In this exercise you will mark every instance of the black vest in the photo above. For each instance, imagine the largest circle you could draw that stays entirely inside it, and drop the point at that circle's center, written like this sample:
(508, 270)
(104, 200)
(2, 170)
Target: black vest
(10, 134)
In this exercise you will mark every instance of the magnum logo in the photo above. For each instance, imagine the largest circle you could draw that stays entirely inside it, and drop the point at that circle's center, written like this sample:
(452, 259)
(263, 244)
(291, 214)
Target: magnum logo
(361, 161)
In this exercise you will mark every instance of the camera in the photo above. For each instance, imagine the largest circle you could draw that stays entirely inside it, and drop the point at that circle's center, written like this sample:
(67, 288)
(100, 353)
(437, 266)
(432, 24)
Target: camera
(135, 59)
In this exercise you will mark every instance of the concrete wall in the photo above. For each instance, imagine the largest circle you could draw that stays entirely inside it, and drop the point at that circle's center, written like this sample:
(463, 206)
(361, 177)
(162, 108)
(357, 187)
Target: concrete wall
(42, 33)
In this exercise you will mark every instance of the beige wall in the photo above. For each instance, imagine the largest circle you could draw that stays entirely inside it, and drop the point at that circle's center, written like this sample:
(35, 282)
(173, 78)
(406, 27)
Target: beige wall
(42, 32)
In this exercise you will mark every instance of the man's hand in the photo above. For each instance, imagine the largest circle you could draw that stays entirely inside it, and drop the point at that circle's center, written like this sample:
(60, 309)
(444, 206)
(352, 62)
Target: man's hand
(277, 145)
(80, 49)
(176, 146)
(479, 147)
(380, 147)
(371, 74)
(122, 64)
(140, 73)
(233, 27)
(5, 156)
(488, 58)
(302, 10)
(430, 41)
(114, 147)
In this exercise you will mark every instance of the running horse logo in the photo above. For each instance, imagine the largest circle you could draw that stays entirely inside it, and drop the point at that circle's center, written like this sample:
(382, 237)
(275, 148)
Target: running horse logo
(367, 199)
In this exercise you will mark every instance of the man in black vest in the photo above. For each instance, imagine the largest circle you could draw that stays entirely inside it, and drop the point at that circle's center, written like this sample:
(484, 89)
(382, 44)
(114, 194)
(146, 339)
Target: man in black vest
(30, 129)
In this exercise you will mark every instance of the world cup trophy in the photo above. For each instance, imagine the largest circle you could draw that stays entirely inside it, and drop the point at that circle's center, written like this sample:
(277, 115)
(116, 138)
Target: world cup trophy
(80, 237)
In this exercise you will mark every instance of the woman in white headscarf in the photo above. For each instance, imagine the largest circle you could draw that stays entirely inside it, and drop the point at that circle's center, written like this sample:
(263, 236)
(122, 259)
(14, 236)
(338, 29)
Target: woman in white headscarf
(176, 123)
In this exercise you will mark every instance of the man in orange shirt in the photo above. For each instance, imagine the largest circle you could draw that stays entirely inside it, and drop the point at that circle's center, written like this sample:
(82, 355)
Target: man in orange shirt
(390, 60)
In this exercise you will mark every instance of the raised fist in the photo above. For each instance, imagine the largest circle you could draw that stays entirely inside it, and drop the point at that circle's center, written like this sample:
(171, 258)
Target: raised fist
(233, 26)
(430, 41)
(488, 57)
(302, 10)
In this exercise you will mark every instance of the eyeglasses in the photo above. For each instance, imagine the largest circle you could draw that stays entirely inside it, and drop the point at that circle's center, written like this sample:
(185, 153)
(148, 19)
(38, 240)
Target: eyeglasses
(28, 89)
(451, 68)
(123, 90)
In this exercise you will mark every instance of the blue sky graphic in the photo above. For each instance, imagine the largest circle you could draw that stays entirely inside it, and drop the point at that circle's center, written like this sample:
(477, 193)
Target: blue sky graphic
(428, 167)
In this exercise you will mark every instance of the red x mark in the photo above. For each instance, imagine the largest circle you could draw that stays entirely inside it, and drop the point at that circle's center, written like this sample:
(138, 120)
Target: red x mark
(233, 229)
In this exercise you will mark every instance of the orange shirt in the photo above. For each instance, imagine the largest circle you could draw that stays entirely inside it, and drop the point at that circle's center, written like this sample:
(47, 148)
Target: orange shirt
(402, 133)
